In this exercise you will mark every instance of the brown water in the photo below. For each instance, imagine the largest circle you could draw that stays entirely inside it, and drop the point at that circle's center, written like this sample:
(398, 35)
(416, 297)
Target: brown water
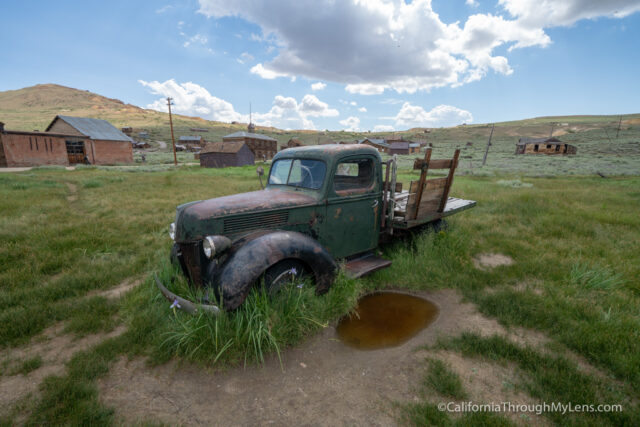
(386, 319)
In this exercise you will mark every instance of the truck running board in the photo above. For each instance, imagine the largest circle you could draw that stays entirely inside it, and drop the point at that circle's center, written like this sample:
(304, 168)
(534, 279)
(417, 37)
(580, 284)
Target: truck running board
(364, 265)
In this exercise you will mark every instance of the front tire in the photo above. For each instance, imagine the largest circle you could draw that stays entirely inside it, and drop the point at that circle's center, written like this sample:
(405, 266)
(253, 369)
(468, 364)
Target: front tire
(284, 272)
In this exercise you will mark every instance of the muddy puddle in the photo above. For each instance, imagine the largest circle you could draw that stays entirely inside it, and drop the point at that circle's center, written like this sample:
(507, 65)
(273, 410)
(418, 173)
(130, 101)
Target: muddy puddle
(386, 319)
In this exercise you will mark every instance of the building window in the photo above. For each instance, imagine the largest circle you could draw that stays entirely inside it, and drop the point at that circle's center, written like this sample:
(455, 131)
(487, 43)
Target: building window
(535, 148)
(557, 148)
(37, 148)
(30, 144)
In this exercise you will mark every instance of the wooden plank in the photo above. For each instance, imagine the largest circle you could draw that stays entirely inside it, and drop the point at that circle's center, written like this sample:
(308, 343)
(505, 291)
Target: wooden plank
(454, 164)
(398, 187)
(433, 184)
(423, 178)
(411, 201)
(440, 164)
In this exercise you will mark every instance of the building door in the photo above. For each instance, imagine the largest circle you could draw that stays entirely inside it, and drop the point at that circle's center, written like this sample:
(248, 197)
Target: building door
(75, 151)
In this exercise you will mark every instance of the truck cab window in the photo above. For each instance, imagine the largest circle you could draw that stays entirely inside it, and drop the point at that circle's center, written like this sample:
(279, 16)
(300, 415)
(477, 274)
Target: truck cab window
(298, 173)
(354, 175)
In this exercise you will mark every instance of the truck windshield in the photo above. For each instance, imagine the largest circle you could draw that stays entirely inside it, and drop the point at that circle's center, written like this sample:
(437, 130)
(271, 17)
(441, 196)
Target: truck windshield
(303, 173)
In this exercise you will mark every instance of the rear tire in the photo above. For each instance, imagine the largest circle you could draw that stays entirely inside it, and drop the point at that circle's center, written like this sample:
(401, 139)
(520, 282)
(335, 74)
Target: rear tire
(283, 273)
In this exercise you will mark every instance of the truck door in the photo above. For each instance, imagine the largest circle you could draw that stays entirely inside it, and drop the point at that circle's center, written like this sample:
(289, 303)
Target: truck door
(353, 206)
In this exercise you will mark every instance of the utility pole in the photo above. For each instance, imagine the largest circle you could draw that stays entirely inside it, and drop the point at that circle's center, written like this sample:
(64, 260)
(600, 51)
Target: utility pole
(619, 123)
(484, 160)
(551, 134)
(173, 141)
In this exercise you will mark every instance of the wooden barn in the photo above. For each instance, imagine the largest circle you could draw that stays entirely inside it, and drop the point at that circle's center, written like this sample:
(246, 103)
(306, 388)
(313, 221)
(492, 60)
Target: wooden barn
(544, 146)
(293, 142)
(225, 154)
(66, 141)
(404, 147)
(263, 147)
(379, 144)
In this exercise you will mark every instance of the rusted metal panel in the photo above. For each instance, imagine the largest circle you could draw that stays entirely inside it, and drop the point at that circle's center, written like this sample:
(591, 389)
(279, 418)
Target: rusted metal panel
(367, 264)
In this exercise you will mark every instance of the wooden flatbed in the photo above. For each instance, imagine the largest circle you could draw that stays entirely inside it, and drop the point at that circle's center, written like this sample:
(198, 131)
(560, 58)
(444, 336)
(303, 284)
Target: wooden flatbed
(426, 200)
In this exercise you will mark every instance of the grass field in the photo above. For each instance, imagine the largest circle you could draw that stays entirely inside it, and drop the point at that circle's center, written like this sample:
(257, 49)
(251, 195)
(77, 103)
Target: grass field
(67, 235)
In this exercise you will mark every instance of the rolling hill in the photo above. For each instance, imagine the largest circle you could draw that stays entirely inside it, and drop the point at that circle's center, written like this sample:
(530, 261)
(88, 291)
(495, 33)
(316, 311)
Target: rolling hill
(34, 107)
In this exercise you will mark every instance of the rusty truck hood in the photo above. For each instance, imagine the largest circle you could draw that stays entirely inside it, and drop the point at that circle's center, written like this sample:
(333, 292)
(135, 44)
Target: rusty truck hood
(198, 219)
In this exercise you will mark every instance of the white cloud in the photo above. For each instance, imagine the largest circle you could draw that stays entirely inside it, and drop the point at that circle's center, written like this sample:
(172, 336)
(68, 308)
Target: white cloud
(353, 103)
(549, 13)
(362, 109)
(191, 99)
(312, 106)
(245, 57)
(383, 128)
(266, 74)
(402, 46)
(351, 124)
(365, 89)
(194, 100)
(442, 115)
(472, 3)
(164, 9)
(199, 39)
(318, 86)
(287, 113)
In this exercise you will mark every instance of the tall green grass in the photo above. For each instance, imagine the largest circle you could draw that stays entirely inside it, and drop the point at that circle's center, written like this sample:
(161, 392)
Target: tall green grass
(263, 325)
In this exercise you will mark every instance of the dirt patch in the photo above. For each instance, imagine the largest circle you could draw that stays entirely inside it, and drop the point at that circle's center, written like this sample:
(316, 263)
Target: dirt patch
(322, 382)
(55, 349)
(490, 260)
(73, 189)
(489, 383)
(117, 291)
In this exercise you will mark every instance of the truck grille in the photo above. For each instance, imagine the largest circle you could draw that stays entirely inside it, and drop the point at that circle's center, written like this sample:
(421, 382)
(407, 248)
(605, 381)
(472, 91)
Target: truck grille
(254, 222)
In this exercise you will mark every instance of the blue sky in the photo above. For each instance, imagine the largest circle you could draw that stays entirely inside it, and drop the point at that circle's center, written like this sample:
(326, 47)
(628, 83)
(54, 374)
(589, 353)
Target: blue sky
(373, 64)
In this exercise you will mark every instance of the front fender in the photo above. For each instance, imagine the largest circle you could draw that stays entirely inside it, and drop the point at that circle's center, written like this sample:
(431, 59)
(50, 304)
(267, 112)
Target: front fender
(247, 264)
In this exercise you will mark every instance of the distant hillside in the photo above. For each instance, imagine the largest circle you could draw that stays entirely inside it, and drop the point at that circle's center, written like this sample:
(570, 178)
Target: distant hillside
(34, 107)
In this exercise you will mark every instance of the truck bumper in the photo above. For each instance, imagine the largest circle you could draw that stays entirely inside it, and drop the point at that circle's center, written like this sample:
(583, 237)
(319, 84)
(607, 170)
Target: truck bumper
(184, 304)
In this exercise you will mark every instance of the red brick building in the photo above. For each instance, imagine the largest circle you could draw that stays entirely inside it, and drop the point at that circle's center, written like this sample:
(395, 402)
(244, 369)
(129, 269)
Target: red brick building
(67, 140)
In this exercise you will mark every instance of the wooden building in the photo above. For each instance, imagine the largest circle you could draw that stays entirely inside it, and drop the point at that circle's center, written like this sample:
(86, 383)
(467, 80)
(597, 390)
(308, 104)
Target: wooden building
(225, 154)
(379, 144)
(262, 146)
(544, 146)
(404, 147)
(67, 140)
(293, 142)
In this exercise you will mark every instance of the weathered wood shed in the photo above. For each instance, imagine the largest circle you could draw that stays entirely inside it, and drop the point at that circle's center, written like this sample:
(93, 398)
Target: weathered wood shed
(225, 154)
(544, 146)
(293, 142)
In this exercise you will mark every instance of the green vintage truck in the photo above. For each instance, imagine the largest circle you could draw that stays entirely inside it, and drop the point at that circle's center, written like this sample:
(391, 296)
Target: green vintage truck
(322, 205)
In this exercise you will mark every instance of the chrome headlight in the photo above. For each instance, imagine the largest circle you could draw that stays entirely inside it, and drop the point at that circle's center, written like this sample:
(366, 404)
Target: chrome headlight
(172, 231)
(209, 247)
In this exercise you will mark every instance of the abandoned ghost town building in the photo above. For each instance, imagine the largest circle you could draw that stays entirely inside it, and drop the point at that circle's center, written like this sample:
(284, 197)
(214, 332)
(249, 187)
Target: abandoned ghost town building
(544, 146)
(224, 154)
(66, 141)
(262, 146)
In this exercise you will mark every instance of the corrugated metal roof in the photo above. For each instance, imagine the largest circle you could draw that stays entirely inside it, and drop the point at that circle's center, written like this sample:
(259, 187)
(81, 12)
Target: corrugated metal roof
(399, 145)
(243, 134)
(190, 138)
(94, 128)
(375, 141)
(223, 147)
(538, 140)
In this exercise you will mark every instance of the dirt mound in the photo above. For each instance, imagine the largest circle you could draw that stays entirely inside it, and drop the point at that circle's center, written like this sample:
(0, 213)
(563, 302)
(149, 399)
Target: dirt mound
(491, 260)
